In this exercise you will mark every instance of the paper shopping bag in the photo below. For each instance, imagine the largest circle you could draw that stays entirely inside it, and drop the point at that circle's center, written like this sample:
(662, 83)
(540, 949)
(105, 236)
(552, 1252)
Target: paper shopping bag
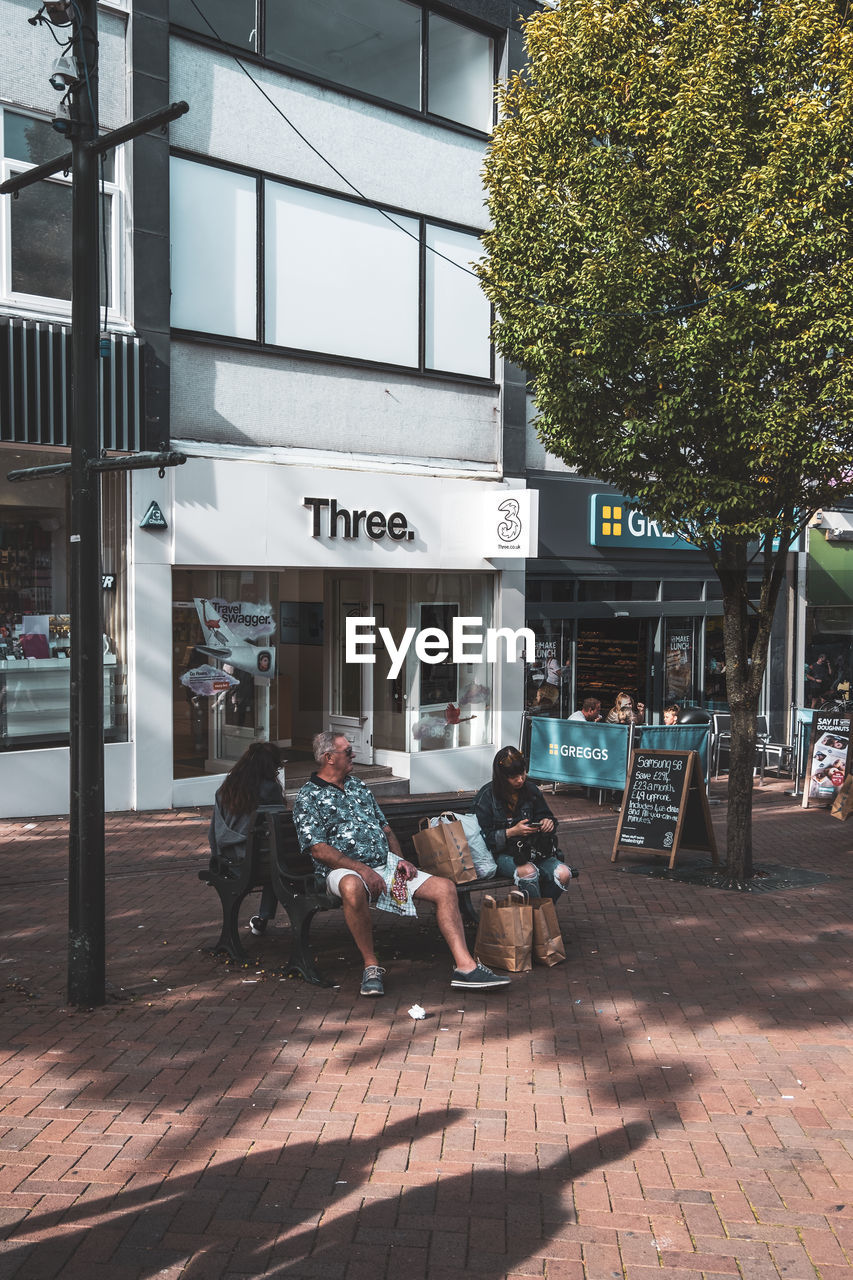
(548, 945)
(443, 850)
(505, 933)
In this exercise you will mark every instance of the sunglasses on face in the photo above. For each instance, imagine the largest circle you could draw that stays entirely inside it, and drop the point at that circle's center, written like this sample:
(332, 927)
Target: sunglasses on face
(347, 751)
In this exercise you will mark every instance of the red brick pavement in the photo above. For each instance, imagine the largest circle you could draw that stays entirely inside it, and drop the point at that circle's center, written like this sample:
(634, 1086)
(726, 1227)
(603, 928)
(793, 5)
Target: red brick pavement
(674, 1103)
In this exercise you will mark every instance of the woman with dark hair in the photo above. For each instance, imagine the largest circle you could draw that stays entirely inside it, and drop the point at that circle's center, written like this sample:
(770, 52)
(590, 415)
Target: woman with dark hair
(519, 829)
(253, 781)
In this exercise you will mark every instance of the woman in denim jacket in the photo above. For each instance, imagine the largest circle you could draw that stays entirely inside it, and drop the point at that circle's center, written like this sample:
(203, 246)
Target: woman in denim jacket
(518, 828)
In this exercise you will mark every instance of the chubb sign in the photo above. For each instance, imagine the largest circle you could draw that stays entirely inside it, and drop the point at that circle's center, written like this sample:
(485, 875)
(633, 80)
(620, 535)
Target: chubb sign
(467, 642)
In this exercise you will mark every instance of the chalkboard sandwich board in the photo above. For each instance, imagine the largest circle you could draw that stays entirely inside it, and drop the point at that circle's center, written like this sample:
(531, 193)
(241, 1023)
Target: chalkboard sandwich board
(664, 806)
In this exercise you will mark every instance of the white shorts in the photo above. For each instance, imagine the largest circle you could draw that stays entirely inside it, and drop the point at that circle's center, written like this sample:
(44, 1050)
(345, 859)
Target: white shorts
(334, 878)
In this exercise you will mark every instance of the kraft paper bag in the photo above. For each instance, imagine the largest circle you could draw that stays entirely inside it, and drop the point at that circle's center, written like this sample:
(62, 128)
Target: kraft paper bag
(842, 805)
(548, 945)
(505, 934)
(443, 851)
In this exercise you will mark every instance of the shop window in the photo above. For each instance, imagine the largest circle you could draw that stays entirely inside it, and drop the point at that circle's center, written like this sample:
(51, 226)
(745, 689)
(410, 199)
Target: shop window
(613, 655)
(224, 703)
(373, 47)
(233, 21)
(340, 278)
(457, 311)
(36, 269)
(213, 222)
(681, 589)
(679, 652)
(461, 73)
(548, 681)
(441, 705)
(618, 589)
(376, 47)
(35, 623)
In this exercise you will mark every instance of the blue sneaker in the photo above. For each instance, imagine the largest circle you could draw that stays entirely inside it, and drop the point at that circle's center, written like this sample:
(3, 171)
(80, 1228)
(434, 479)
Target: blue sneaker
(479, 979)
(371, 981)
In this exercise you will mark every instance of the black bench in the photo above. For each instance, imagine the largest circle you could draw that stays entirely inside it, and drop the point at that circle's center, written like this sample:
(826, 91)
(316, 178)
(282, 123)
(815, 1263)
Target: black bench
(273, 858)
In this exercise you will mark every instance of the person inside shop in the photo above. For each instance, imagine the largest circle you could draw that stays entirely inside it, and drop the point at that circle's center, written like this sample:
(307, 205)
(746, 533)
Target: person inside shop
(626, 710)
(253, 781)
(519, 829)
(589, 711)
(341, 826)
(819, 679)
(548, 693)
(671, 712)
(716, 676)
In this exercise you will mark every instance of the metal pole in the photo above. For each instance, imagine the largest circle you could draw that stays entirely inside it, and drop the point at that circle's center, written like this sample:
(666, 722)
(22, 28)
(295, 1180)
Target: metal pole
(86, 862)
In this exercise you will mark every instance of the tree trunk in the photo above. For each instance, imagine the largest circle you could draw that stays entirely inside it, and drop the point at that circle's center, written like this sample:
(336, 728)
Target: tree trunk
(745, 667)
(739, 866)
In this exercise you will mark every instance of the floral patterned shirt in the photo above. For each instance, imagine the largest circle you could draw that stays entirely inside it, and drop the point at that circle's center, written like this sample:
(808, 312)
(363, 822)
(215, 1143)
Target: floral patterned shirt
(348, 818)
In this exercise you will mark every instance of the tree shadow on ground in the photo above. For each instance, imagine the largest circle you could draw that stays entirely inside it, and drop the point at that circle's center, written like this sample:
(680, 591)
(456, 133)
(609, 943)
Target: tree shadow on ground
(312, 1208)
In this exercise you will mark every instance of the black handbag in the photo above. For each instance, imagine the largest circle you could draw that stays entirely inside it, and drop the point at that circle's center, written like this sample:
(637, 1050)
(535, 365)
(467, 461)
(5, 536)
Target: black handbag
(534, 849)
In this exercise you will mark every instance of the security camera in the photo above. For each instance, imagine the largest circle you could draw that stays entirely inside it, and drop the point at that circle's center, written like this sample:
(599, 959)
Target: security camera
(61, 121)
(58, 12)
(64, 73)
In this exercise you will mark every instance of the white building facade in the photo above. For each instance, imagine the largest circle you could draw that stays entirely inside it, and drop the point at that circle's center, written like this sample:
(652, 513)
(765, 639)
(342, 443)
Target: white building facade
(293, 307)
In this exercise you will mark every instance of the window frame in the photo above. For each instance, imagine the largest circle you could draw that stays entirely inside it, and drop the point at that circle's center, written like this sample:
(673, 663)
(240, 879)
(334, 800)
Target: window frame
(261, 341)
(259, 58)
(114, 191)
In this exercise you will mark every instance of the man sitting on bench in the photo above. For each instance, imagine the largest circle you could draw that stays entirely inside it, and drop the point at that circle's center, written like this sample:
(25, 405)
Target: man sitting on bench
(340, 824)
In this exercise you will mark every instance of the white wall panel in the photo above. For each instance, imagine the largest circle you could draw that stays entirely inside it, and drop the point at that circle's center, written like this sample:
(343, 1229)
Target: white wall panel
(27, 55)
(391, 158)
(239, 397)
(36, 783)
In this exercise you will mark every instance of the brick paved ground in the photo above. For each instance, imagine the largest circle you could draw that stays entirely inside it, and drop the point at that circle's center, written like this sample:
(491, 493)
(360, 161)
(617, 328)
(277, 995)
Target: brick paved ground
(673, 1103)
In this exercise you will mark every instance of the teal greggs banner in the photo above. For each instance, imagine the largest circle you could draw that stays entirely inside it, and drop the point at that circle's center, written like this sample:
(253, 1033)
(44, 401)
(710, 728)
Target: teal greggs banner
(589, 755)
(596, 755)
(612, 523)
(676, 737)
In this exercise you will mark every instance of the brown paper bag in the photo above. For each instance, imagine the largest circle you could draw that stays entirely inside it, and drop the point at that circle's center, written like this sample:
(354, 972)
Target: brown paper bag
(443, 851)
(842, 805)
(548, 946)
(505, 933)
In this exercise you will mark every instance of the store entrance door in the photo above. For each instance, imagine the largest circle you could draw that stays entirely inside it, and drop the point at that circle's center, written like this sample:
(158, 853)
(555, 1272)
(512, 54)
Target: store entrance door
(350, 684)
(614, 656)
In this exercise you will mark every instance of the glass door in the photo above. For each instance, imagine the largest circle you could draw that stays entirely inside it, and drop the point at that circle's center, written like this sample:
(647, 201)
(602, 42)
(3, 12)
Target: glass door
(351, 683)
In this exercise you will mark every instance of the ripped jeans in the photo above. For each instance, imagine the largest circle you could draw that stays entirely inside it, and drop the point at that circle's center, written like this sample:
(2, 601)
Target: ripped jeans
(542, 885)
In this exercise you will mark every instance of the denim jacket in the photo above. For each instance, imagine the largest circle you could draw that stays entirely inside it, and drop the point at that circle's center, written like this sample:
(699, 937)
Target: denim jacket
(494, 820)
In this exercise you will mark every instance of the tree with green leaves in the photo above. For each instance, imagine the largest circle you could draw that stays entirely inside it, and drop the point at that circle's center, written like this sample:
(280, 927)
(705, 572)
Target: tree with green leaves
(671, 259)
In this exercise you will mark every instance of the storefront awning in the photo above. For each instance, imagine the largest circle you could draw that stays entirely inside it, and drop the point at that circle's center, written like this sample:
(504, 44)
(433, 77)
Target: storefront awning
(836, 525)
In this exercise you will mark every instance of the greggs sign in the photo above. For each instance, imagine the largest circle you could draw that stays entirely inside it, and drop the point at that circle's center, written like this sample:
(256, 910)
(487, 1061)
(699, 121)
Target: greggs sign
(612, 523)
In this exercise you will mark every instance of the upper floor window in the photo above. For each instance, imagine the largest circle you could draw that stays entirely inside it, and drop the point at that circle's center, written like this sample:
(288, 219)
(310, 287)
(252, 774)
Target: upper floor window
(35, 226)
(390, 49)
(336, 276)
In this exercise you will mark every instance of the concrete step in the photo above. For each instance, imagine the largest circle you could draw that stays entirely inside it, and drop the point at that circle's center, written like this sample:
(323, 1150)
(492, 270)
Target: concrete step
(379, 778)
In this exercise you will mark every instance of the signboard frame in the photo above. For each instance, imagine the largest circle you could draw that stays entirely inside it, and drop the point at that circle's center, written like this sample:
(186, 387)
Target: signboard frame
(692, 825)
(834, 756)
